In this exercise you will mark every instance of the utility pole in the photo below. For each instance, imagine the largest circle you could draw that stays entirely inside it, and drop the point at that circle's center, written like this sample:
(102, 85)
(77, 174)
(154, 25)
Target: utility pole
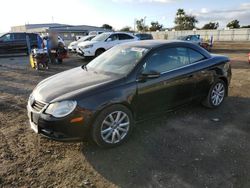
(144, 23)
(135, 23)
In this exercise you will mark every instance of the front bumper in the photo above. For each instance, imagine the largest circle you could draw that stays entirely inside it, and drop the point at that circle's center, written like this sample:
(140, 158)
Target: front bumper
(72, 48)
(61, 129)
(84, 52)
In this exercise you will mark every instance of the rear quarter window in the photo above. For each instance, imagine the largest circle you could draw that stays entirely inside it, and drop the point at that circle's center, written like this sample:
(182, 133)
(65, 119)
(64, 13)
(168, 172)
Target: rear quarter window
(125, 37)
(195, 56)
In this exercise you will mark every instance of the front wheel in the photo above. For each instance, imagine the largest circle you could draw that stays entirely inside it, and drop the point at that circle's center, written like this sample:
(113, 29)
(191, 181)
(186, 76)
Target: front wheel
(99, 52)
(216, 95)
(113, 126)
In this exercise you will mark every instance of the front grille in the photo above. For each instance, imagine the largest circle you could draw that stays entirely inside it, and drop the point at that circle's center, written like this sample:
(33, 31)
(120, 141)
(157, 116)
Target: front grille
(38, 106)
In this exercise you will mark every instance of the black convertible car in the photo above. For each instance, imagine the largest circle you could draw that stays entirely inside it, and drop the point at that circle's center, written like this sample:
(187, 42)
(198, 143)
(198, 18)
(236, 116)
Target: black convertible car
(127, 83)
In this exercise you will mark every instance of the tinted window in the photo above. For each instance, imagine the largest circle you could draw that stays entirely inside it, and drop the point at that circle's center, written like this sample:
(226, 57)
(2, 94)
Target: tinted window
(8, 37)
(171, 58)
(125, 37)
(195, 56)
(146, 36)
(32, 36)
(19, 36)
(113, 37)
(194, 38)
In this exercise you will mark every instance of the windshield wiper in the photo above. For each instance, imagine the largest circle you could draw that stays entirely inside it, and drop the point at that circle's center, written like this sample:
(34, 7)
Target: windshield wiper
(85, 67)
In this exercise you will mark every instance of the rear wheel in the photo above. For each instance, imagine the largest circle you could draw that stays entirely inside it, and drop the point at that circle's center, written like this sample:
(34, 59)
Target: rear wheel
(113, 126)
(216, 95)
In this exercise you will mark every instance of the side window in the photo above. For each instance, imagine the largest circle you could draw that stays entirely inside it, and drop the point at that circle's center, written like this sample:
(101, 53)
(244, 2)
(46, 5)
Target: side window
(172, 58)
(8, 37)
(167, 60)
(19, 36)
(125, 37)
(113, 37)
(195, 56)
(182, 56)
(194, 38)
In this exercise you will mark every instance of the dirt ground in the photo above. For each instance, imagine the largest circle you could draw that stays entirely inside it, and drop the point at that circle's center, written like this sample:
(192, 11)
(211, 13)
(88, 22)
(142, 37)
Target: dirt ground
(190, 147)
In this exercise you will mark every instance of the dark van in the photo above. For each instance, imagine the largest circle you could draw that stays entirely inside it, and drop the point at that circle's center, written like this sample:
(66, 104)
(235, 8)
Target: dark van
(17, 43)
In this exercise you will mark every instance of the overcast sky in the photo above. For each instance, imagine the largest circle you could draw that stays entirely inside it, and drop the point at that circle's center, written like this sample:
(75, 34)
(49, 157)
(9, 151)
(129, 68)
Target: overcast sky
(119, 13)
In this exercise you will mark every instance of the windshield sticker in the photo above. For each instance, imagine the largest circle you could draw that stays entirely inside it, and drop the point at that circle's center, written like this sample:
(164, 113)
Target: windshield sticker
(141, 50)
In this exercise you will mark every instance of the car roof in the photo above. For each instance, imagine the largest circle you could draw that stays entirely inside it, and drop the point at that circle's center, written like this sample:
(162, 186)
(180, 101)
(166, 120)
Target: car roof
(117, 32)
(154, 43)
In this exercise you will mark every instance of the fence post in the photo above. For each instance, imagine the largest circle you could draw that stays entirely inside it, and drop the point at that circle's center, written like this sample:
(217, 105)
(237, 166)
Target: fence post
(218, 35)
(248, 34)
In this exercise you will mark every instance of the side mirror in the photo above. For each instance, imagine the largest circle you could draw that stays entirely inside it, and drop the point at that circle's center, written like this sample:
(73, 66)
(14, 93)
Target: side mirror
(149, 75)
(109, 40)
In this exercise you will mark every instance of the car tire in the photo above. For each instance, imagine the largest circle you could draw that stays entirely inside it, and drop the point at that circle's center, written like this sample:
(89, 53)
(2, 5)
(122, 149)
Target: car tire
(99, 52)
(216, 95)
(113, 126)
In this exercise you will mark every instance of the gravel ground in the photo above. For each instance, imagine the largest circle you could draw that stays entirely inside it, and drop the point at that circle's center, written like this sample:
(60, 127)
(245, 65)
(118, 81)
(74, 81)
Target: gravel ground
(190, 147)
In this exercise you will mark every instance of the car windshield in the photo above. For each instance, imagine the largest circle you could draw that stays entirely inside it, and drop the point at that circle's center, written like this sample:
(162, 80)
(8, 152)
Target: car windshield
(83, 39)
(118, 60)
(181, 38)
(101, 37)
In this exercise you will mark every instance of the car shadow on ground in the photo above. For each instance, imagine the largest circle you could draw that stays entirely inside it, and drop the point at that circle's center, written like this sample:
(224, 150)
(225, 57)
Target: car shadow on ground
(190, 147)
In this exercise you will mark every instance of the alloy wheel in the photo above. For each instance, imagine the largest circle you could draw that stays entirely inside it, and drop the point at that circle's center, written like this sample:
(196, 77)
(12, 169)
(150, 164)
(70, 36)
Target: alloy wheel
(218, 94)
(115, 127)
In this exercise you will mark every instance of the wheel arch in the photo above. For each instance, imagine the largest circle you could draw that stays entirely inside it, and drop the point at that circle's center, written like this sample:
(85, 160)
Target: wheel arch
(224, 79)
(125, 104)
(103, 49)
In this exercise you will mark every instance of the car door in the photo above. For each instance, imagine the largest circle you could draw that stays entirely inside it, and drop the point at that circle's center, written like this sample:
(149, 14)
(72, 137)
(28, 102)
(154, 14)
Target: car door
(19, 44)
(202, 71)
(6, 43)
(174, 87)
(111, 41)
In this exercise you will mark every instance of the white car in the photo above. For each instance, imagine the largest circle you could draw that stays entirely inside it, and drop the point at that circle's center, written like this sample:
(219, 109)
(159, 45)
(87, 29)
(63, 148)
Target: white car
(103, 42)
(95, 33)
(60, 40)
(73, 45)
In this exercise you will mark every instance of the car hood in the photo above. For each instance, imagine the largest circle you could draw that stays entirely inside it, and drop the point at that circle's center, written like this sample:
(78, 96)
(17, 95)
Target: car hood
(85, 43)
(71, 83)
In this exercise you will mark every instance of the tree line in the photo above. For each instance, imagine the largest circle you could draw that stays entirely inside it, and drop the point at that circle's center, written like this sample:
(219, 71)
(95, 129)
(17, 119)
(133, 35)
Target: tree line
(182, 21)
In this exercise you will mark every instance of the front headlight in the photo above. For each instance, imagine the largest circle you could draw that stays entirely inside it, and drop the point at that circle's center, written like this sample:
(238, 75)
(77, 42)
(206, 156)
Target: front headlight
(61, 109)
(88, 46)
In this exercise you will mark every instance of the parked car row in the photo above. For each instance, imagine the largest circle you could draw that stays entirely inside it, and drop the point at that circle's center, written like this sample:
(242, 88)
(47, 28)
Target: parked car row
(88, 46)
